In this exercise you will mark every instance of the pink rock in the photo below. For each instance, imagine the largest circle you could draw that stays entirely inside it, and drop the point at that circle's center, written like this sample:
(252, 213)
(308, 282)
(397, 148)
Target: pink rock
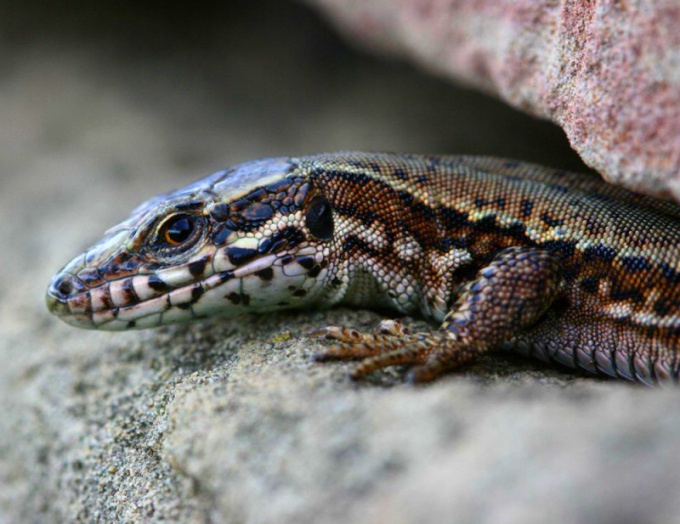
(607, 71)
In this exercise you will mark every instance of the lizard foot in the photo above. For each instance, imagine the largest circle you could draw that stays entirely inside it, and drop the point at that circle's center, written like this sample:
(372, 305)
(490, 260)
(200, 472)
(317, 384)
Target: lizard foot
(392, 344)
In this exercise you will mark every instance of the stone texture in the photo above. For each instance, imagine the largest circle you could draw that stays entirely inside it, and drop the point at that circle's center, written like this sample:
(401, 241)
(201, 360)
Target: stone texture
(607, 72)
(229, 421)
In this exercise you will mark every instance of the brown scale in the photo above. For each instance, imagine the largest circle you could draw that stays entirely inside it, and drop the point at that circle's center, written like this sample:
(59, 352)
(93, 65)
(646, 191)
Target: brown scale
(593, 255)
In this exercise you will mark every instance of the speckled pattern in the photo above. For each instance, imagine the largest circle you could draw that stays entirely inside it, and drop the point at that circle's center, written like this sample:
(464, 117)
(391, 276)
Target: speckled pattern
(551, 264)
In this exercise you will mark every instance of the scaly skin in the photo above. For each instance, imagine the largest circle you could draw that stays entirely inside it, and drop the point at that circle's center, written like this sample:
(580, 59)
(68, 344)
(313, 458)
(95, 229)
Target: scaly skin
(501, 254)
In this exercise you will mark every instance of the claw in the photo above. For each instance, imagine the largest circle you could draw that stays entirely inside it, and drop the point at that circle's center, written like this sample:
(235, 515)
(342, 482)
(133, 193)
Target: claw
(341, 334)
(430, 354)
(396, 357)
(391, 328)
(344, 351)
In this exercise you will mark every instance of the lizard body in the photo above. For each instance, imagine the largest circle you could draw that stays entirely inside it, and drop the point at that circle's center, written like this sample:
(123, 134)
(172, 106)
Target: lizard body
(557, 265)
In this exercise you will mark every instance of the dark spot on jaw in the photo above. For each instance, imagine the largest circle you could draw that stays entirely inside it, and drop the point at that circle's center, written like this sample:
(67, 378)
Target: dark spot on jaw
(129, 291)
(131, 324)
(234, 298)
(225, 275)
(336, 282)
(197, 268)
(265, 274)
(306, 262)
(300, 293)
(265, 245)
(286, 259)
(196, 293)
(314, 272)
(157, 284)
(239, 256)
(245, 299)
(278, 245)
(219, 238)
(289, 237)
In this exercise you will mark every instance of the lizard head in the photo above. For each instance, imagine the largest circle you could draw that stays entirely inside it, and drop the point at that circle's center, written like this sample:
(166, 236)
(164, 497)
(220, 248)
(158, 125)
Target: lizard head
(256, 237)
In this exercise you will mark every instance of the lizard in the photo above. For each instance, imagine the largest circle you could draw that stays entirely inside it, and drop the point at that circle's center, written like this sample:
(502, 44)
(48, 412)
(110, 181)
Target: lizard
(498, 253)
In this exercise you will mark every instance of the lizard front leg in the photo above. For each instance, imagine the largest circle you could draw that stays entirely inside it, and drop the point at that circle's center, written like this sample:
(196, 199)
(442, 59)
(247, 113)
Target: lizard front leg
(507, 296)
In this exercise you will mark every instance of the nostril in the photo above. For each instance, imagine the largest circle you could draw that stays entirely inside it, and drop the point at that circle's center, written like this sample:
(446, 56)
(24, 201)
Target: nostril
(64, 286)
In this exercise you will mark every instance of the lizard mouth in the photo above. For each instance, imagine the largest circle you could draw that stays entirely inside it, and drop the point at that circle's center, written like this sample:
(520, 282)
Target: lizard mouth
(175, 294)
(128, 302)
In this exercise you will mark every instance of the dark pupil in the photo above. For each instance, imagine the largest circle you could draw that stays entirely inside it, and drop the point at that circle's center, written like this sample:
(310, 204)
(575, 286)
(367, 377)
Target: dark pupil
(319, 219)
(179, 230)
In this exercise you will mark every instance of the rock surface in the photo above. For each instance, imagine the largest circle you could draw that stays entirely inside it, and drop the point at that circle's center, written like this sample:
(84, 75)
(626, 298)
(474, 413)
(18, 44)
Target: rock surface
(228, 420)
(607, 72)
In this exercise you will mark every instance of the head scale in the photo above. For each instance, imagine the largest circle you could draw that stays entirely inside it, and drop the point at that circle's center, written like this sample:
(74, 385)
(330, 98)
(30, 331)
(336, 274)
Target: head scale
(256, 237)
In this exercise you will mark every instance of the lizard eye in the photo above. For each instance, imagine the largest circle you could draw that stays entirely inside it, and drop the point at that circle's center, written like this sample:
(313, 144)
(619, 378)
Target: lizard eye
(178, 230)
(319, 219)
